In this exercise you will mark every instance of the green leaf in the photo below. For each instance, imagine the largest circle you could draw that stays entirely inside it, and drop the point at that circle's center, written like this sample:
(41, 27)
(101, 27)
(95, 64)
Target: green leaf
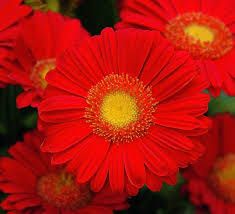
(222, 104)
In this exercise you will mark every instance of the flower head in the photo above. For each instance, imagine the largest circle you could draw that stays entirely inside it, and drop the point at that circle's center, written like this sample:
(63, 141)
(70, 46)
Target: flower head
(48, 189)
(204, 29)
(211, 180)
(42, 38)
(126, 107)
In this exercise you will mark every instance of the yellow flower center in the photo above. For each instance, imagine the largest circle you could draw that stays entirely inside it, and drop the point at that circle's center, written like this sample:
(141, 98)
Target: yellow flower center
(119, 109)
(200, 32)
(40, 71)
(201, 35)
(222, 177)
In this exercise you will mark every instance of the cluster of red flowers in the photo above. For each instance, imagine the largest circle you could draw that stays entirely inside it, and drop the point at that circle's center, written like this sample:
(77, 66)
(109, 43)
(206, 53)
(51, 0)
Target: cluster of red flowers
(119, 110)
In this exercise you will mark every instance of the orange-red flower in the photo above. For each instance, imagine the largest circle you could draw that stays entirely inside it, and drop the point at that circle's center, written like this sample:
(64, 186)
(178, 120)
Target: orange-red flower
(211, 181)
(34, 186)
(11, 11)
(125, 106)
(203, 28)
(42, 38)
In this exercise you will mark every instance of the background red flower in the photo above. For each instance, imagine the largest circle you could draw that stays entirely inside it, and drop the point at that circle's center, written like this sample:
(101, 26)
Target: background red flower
(34, 186)
(42, 38)
(204, 28)
(211, 180)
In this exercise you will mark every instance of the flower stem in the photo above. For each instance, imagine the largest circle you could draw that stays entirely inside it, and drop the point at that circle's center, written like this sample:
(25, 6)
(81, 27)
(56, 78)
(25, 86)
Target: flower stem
(53, 5)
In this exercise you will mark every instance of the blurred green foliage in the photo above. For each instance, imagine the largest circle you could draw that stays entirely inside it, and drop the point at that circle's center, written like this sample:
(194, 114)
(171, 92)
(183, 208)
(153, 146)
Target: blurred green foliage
(14, 122)
(221, 104)
(170, 200)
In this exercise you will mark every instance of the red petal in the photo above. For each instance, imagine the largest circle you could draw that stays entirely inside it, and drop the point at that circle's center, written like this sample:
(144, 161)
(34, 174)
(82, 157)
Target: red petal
(139, 48)
(65, 135)
(59, 109)
(116, 168)
(32, 160)
(95, 210)
(99, 179)
(27, 203)
(25, 99)
(178, 121)
(155, 159)
(68, 154)
(214, 75)
(21, 78)
(203, 166)
(16, 201)
(177, 81)
(193, 105)
(11, 12)
(63, 103)
(71, 33)
(160, 57)
(229, 85)
(134, 164)
(108, 44)
(87, 162)
(181, 7)
(58, 80)
(227, 124)
(169, 138)
(170, 62)
(13, 173)
(152, 181)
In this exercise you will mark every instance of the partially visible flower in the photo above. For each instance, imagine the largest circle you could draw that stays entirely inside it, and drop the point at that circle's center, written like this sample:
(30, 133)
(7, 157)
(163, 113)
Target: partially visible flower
(34, 186)
(11, 11)
(211, 181)
(42, 38)
(124, 106)
(203, 28)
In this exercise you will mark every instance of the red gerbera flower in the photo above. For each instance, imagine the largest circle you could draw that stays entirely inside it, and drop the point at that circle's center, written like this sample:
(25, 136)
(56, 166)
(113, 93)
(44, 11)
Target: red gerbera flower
(11, 11)
(211, 182)
(124, 105)
(42, 38)
(34, 186)
(204, 28)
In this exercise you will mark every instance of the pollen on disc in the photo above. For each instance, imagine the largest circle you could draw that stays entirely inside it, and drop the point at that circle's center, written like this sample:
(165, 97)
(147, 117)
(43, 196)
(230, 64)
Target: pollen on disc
(200, 32)
(119, 109)
(40, 71)
(222, 177)
(201, 35)
(60, 189)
